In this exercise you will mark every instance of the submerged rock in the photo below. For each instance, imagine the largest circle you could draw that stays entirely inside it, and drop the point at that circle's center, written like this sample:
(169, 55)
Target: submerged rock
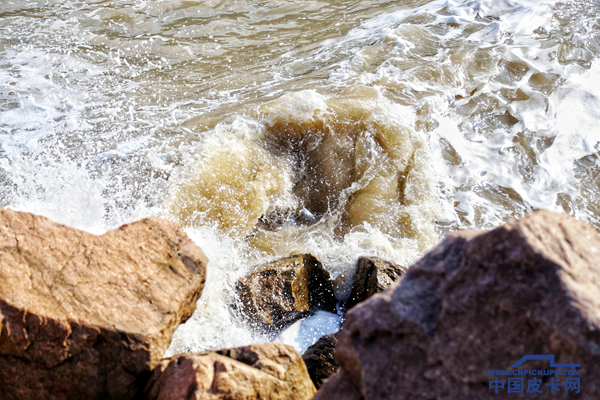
(85, 316)
(481, 302)
(319, 359)
(304, 217)
(270, 371)
(284, 291)
(373, 275)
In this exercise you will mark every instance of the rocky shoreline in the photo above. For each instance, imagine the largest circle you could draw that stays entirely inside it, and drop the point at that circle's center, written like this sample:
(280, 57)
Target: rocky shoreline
(89, 317)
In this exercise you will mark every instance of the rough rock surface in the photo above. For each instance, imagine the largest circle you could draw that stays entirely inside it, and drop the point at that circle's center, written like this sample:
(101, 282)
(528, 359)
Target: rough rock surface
(373, 275)
(270, 371)
(475, 303)
(339, 386)
(319, 359)
(85, 316)
(281, 292)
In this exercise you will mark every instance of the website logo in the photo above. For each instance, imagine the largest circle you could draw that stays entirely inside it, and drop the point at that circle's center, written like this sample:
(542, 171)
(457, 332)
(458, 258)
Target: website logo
(562, 377)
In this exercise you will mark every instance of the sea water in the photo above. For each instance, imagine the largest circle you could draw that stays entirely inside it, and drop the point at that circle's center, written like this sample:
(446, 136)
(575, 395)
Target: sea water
(340, 128)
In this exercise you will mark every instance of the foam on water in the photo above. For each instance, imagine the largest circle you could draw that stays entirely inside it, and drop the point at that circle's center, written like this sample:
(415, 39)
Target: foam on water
(574, 107)
(506, 119)
(266, 130)
(241, 157)
(493, 85)
(213, 325)
(304, 333)
(350, 160)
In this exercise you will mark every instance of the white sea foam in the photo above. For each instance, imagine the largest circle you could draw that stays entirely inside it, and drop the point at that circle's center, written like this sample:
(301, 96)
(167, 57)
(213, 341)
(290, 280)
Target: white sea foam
(304, 333)
(106, 108)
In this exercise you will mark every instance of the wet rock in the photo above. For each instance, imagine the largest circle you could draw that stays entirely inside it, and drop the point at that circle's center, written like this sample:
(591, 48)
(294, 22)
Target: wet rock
(277, 217)
(304, 217)
(85, 316)
(284, 291)
(319, 359)
(274, 218)
(269, 371)
(480, 302)
(373, 275)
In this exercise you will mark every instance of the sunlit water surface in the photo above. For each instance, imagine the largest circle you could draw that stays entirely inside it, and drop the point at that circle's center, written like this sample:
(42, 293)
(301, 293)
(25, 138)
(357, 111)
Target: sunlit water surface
(340, 128)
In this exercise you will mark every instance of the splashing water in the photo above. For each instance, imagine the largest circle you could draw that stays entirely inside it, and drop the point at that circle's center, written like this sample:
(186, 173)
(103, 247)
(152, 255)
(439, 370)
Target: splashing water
(343, 128)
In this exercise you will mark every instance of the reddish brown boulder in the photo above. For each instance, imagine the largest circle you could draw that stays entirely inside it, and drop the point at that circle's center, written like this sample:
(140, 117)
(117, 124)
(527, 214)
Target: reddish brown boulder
(284, 291)
(373, 275)
(85, 316)
(270, 371)
(476, 303)
(339, 386)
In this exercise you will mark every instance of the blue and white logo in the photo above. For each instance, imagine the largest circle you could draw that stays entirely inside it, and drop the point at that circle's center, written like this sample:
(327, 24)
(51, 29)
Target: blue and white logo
(563, 377)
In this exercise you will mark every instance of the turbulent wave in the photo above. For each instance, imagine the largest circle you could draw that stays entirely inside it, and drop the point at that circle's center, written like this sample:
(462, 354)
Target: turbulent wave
(341, 128)
(346, 162)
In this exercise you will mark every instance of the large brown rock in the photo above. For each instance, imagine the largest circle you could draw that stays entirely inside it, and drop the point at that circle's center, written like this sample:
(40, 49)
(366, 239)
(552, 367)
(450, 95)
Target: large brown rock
(284, 291)
(339, 386)
(85, 316)
(270, 371)
(475, 303)
(373, 275)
